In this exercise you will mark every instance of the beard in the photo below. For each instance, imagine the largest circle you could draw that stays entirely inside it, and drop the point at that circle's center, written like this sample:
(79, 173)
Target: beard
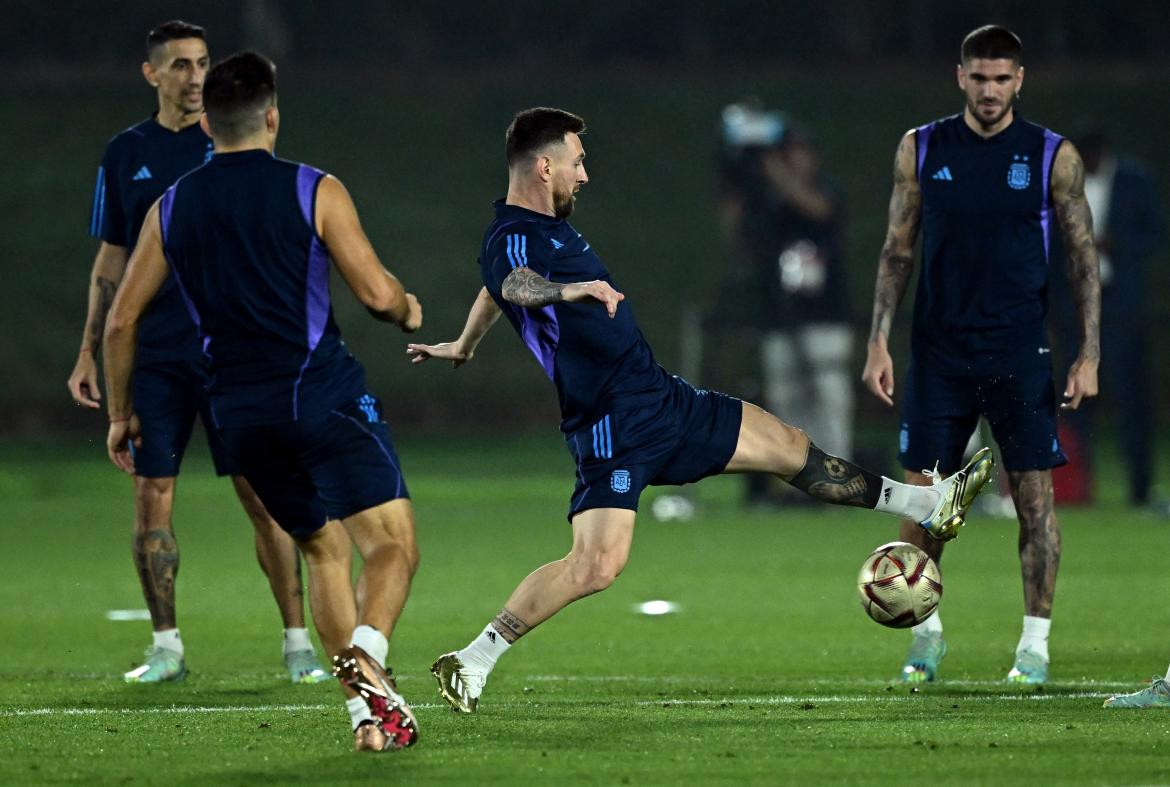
(563, 204)
(983, 120)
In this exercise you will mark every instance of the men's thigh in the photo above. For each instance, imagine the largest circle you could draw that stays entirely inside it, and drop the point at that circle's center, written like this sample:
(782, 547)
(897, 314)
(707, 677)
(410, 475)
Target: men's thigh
(270, 458)
(1021, 410)
(939, 413)
(166, 398)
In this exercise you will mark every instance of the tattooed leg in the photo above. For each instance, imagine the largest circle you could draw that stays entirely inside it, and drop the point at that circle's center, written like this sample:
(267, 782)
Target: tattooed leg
(511, 628)
(1039, 539)
(838, 481)
(156, 553)
(601, 546)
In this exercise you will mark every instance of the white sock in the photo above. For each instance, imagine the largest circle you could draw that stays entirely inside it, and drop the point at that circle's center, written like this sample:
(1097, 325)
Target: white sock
(484, 650)
(1168, 675)
(296, 639)
(169, 639)
(372, 642)
(358, 711)
(907, 500)
(1035, 636)
(931, 627)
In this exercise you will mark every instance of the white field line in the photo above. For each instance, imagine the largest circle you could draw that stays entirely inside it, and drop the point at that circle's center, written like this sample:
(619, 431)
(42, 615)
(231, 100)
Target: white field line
(789, 699)
(704, 680)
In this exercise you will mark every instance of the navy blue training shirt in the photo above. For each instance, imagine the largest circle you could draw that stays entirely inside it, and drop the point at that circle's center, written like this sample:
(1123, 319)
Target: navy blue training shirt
(987, 224)
(138, 166)
(598, 364)
(240, 237)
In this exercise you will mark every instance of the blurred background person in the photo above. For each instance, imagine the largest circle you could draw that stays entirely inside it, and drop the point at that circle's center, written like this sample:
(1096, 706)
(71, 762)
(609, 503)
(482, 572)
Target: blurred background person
(784, 219)
(1128, 229)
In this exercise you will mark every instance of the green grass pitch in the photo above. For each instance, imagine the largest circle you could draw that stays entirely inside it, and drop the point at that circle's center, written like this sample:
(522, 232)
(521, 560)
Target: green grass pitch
(770, 673)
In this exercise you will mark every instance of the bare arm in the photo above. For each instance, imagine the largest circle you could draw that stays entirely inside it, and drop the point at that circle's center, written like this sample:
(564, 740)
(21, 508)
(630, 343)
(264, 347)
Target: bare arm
(377, 288)
(145, 274)
(895, 265)
(525, 287)
(483, 315)
(108, 267)
(1076, 225)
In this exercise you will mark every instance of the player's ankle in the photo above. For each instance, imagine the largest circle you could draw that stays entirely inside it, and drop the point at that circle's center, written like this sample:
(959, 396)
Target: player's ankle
(483, 651)
(169, 639)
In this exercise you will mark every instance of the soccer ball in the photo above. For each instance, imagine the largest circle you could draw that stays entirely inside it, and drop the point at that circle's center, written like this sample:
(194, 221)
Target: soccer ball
(899, 585)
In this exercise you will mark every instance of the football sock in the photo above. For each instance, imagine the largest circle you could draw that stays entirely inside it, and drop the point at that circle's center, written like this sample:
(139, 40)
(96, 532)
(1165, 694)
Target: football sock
(1035, 636)
(1168, 675)
(358, 711)
(484, 650)
(372, 642)
(296, 639)
(169, 639)
(931, 627)
(906, 500)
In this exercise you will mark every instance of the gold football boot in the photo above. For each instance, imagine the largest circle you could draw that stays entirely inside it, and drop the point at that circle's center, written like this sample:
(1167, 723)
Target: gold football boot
(956, 494)
(459, 685)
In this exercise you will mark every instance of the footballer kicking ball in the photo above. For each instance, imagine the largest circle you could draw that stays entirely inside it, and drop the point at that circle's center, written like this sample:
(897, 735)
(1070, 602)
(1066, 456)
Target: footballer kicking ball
(899, 585)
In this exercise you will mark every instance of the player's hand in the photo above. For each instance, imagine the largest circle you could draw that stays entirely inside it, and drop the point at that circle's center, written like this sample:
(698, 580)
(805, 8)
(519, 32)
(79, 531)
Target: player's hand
(1082, 383)
(448, 351)
(413, 319)
(123, 433)
(879, 373)
(594, 290)
(83, 383)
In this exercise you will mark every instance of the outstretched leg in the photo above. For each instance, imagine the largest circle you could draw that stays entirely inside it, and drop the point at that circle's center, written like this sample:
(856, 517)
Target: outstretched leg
(767, 443)
(601, 547)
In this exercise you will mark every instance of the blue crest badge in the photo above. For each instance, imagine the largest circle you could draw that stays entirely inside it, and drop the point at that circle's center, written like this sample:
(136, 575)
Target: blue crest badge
(620, 481)
(1019, 173)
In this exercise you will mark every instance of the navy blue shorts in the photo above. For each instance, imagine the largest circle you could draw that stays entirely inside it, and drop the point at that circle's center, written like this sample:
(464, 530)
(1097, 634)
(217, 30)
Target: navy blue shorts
(315, 469)
(940, 412)
(689, 435)
(167, 397)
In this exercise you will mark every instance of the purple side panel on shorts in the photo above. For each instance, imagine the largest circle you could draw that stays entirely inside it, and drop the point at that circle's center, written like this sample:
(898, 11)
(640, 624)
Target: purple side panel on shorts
(1052, 141)
(921, 142)
(542, 333)
(316, 274)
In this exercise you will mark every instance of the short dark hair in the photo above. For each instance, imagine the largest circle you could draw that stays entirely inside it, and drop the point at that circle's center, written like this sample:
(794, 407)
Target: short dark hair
(992, 42)
(533, 129)
(237, 91)
(171, 31)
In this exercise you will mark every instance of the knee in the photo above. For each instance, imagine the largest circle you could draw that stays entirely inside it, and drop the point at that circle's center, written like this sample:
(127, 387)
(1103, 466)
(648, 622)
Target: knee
(153, 498)
(595, 571)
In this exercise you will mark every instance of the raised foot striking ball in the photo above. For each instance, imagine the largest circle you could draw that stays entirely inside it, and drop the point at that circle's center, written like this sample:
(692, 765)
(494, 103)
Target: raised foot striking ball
(899, 585)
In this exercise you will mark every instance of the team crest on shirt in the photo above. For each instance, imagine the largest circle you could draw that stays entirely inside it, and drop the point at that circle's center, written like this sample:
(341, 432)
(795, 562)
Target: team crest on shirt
(619, 481)
(1019, 173)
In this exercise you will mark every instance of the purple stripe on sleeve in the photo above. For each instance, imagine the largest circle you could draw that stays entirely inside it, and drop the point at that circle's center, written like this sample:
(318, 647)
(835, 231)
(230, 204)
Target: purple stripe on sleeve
(316, 273)
(307, 180)
(1052, 142)
(921, 142)
(542, 333)
(165, 209)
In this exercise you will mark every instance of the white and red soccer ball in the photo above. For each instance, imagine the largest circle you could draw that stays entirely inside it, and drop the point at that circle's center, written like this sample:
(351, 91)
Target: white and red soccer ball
(899, 585)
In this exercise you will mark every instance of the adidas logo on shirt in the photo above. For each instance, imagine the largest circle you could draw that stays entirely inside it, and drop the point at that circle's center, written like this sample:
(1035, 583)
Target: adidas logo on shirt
(142, 174)
(942, 174)
(556, 243)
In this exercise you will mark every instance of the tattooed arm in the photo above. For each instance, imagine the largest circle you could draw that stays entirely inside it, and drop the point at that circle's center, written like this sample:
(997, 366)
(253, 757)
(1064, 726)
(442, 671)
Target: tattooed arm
(525, 287)
(108, 267)
(895, 265)
(1076, 225)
